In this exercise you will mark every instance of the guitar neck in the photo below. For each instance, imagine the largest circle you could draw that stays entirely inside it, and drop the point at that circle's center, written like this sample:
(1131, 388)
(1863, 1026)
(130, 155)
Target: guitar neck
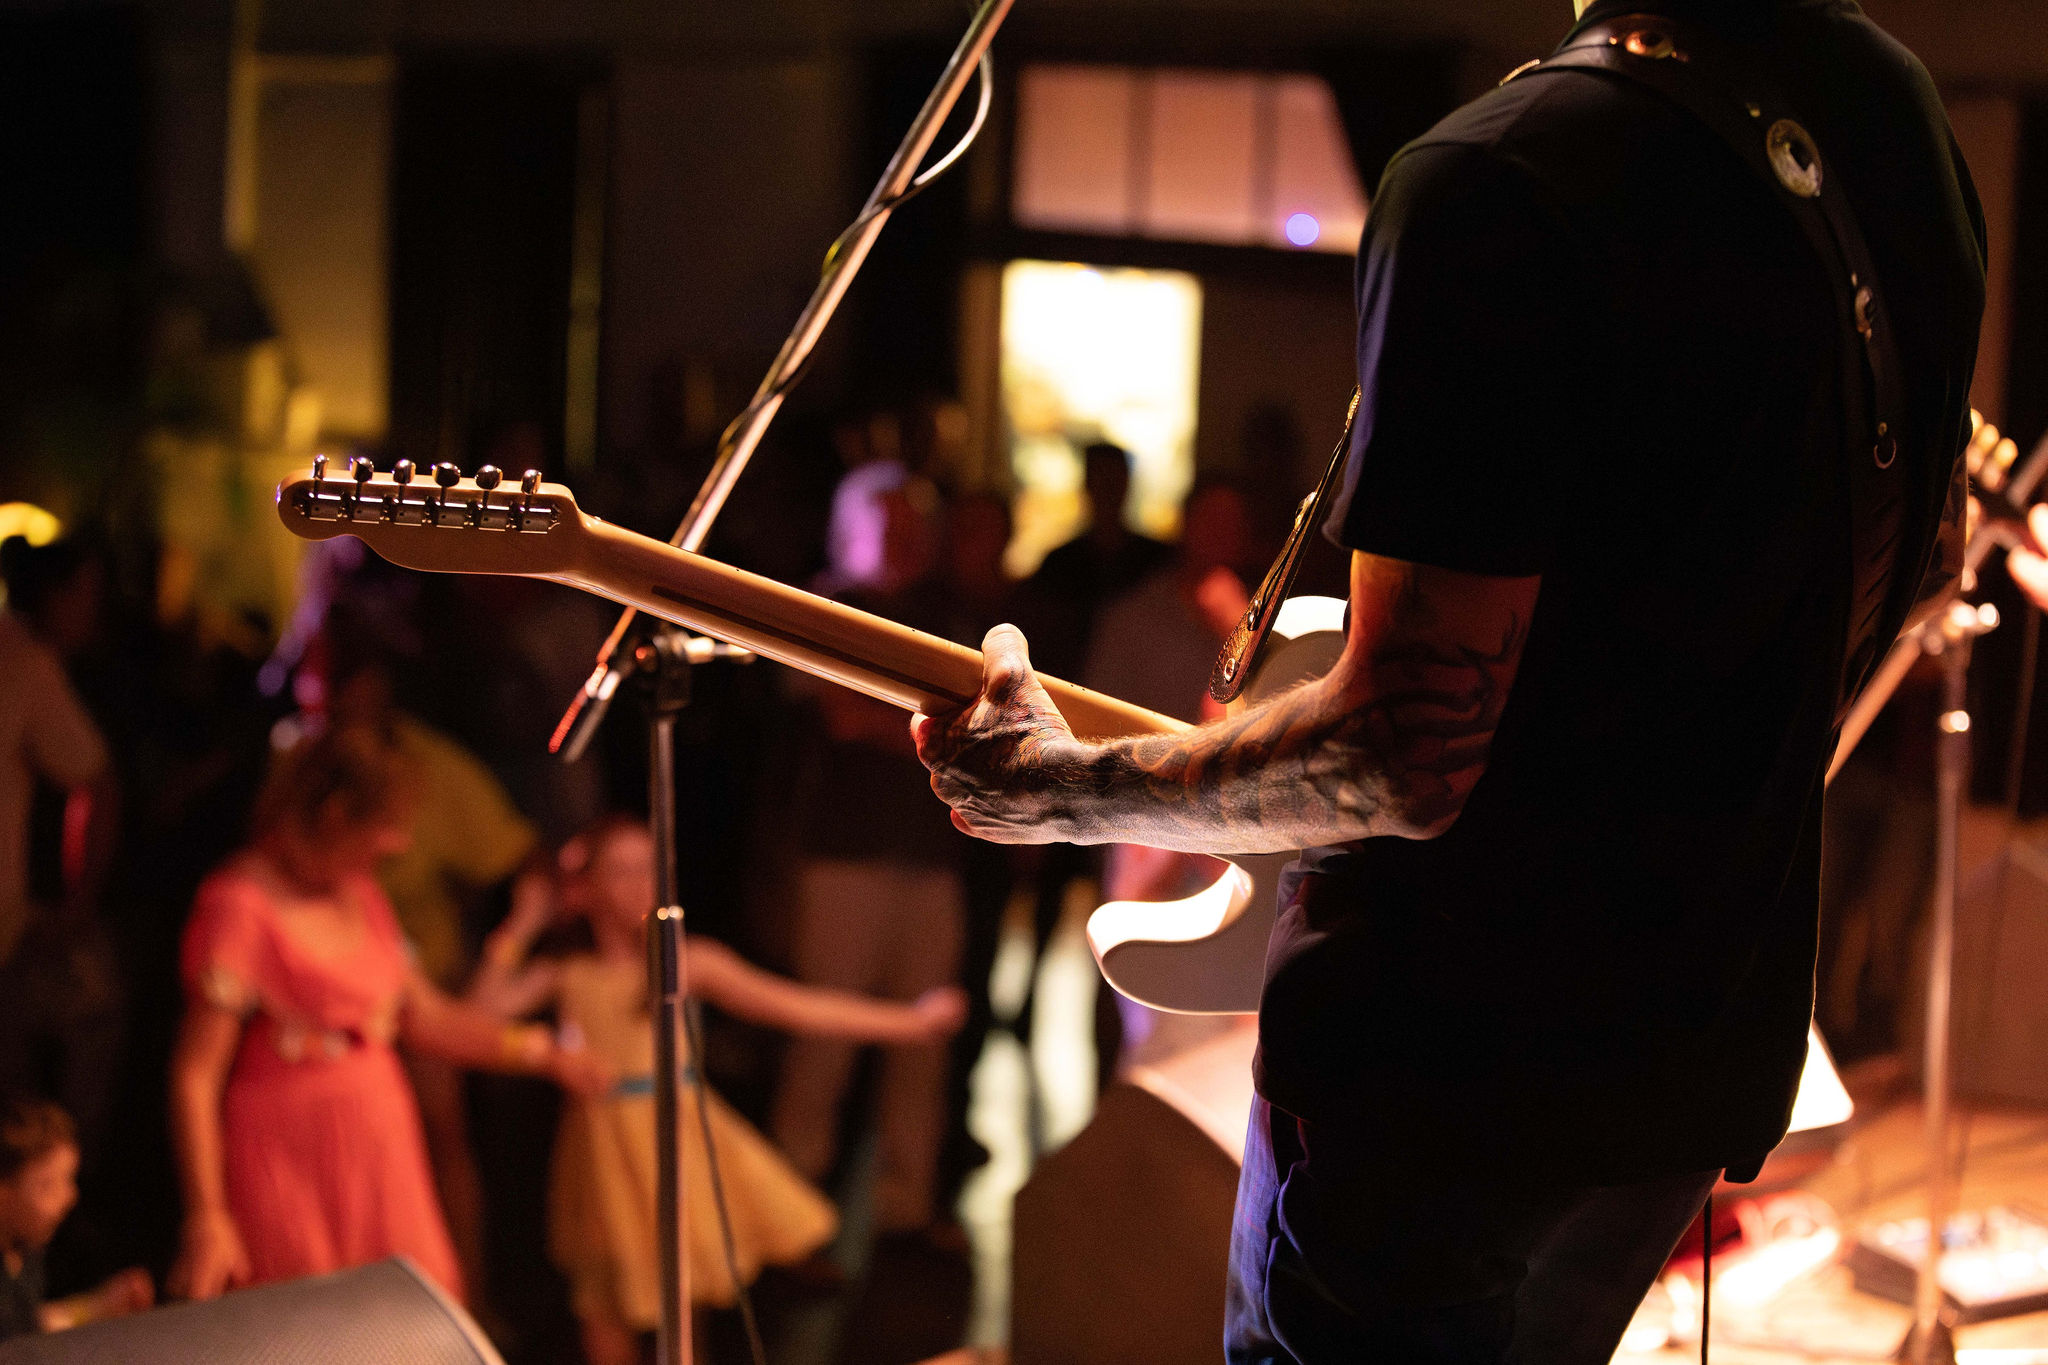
(857, 649)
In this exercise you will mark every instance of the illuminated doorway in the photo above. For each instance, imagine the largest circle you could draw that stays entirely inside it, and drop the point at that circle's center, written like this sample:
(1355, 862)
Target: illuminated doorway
(1092, 354)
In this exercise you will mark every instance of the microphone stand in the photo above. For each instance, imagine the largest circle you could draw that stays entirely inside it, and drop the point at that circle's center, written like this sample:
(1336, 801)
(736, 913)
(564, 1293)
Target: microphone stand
(1949, 637)
(737, 446)
(664, 655)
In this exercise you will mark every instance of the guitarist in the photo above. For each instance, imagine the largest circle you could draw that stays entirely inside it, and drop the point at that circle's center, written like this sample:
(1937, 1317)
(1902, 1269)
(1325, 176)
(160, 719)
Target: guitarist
(1545, 970)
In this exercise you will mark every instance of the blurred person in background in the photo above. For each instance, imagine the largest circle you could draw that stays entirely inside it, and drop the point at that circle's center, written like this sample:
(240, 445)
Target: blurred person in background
(978, 593)
(602, 1227)
(870, 445)
(1155, 642)
(463, 840)
(1155, 645)
(1108, 559)
(977, 587)
(188, 729)
(60, 1032)
(465, 835)
(506, 653)
(1059, 604)
(878, 900)
(298, 1138)
(38, 1187)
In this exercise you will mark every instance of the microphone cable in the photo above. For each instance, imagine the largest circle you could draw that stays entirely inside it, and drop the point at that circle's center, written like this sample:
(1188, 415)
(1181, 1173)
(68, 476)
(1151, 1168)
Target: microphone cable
(693, 1025)
(878, 209)
(1706, 1273)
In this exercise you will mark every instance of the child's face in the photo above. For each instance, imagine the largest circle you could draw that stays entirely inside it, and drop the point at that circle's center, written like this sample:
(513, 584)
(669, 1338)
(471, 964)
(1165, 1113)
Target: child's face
(622, 877)
(38, 1196)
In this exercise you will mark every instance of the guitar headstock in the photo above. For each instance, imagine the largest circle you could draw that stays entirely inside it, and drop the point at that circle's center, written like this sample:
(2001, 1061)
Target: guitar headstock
(437, 519)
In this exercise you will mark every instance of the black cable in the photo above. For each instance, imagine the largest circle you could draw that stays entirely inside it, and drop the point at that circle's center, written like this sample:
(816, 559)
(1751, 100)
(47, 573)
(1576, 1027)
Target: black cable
(693, 1026)
(1706, 1274)
(878, 209)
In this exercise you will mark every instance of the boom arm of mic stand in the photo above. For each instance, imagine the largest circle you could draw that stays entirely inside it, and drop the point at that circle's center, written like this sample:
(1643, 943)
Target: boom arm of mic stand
(697, 649)
(1905, 652)
(587, 708)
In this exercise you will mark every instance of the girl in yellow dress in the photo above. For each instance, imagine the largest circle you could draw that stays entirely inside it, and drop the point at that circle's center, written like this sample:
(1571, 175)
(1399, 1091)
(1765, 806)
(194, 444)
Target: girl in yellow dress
(602, 1229)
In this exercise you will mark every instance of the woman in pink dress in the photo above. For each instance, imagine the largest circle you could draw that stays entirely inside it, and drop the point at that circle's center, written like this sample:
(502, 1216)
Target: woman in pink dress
(299, 1141)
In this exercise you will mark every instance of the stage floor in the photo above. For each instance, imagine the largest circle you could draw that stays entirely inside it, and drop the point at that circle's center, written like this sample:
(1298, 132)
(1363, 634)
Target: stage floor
(1876, 1177)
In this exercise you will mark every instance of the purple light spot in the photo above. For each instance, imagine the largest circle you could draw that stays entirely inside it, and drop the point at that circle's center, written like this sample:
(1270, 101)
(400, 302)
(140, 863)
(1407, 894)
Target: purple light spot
(1303, 229)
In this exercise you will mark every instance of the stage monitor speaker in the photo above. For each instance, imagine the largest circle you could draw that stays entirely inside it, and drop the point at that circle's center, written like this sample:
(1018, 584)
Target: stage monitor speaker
(1122, 1235)
(371, 1316)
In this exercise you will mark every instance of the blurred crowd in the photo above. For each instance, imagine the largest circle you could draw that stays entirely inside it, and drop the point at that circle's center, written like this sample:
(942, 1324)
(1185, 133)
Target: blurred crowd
(316, 957)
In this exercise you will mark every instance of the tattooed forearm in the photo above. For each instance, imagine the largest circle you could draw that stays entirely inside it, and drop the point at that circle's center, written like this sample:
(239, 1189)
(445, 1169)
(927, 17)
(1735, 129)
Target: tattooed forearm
(1395, 753)
(1391, 742)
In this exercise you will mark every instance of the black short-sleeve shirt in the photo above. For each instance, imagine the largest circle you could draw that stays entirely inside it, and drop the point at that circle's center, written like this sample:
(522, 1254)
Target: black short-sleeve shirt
(1593, 346)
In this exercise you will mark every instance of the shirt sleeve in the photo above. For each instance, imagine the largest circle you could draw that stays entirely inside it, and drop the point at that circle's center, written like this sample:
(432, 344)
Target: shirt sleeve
(220, 962)
(1480, 345)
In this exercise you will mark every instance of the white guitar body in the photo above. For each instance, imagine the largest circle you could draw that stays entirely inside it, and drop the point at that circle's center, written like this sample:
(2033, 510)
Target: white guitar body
(1206, 954)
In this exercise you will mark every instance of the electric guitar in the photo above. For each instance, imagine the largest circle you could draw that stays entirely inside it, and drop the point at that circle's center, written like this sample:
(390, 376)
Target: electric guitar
(1201, 955)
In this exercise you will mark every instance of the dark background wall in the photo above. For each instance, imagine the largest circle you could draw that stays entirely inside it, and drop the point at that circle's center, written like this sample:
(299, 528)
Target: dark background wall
(483, 174)
(74, 237)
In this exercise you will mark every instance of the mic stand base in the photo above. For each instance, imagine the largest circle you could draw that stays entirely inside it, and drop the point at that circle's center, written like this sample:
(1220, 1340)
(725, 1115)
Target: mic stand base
(1935, 1347)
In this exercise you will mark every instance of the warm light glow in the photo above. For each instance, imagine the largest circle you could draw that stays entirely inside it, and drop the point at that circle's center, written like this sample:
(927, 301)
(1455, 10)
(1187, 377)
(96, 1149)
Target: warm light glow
(1822, 1101)
(1097, 355)
(1202, 160)
(30, 521)
(1303, 229)
(1758, 1276)
(1178, 921)
(1185, 155)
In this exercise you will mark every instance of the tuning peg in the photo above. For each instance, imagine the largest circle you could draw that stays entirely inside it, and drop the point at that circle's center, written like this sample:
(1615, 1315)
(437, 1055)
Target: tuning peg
(447, 475)
(361, 469)
(488, 476)
(529, 482)
(401, 473)
(319, 468)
